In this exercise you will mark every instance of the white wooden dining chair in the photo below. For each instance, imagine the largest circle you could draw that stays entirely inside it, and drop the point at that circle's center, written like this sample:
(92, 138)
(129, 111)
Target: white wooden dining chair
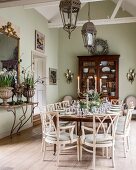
(116, 106)
(116, 102)
(65, 104)
(43, 109)
(55, 134)
(58, 106)
(50, 107)
(100, 136)
(123, 130)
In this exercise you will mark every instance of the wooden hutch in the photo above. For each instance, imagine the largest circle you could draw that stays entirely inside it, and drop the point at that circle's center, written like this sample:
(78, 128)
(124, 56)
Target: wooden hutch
(101, 73)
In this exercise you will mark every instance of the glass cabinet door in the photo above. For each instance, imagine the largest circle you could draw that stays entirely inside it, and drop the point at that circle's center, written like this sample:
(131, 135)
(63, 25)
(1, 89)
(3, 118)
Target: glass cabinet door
(107, 75)
(89, 74)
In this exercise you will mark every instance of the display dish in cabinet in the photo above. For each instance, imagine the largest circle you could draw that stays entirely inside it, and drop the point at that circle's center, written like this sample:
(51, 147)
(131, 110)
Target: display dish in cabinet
(106, 69)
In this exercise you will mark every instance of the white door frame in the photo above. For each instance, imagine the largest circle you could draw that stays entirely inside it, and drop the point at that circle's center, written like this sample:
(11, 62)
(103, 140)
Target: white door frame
(36, 54)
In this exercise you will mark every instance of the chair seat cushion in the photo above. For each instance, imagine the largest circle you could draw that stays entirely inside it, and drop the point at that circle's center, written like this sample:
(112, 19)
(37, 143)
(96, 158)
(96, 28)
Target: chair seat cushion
(64, 123)
(64, 136)
(100, 138)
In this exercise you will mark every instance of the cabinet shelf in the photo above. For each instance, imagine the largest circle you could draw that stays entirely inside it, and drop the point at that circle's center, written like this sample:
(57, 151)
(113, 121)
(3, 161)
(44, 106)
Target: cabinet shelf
(90, 67)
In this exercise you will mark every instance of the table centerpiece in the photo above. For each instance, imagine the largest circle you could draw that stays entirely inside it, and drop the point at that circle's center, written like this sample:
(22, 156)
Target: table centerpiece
(94, 99)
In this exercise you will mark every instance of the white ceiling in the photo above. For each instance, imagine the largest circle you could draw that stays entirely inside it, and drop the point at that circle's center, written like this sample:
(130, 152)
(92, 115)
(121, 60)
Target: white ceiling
(50, 10)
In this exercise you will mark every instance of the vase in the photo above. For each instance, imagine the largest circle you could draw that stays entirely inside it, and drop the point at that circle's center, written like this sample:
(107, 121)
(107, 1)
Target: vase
(5, 94)
(28, 93)
(93, 109)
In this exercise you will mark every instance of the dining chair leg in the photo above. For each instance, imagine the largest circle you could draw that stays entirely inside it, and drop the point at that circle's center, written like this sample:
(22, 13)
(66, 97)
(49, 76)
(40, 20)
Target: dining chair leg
(42, 145)
(113, 159)
(78, 149)
(44, 149)
(81, 150)
(107, 155)
(94, 157)
(124, 145)
(76, 128)
(128, 143)
(103, 150)
(58, 153)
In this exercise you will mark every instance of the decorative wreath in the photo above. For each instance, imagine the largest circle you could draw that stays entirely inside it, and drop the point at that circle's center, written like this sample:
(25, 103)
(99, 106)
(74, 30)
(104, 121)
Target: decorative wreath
(100, 47)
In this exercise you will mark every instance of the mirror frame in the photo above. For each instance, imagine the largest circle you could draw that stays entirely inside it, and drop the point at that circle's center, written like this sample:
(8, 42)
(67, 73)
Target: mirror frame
(10, 32)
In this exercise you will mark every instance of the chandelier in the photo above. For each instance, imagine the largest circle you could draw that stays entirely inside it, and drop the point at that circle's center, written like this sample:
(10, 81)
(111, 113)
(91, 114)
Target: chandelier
(88, 32)
(69, 11)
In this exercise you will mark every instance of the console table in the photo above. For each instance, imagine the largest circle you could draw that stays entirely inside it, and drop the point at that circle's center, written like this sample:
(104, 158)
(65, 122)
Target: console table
(22, 119)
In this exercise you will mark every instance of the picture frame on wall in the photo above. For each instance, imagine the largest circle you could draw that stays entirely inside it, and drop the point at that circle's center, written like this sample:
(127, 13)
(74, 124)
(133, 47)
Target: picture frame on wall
(52, 76)
(39, 41)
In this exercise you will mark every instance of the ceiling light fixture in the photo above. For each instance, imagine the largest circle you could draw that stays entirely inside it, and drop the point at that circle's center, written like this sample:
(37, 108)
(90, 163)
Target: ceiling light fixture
(88, 32)
(69, 11)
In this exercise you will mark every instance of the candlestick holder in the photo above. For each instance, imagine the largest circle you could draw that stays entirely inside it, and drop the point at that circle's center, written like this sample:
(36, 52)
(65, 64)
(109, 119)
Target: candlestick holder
(87, 102)
(80, 94)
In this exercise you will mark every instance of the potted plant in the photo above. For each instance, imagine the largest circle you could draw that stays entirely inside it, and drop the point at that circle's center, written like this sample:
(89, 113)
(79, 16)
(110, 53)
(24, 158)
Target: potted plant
(6, 81)
(29, 84)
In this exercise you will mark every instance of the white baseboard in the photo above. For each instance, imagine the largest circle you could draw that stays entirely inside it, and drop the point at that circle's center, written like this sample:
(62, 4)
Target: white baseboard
(5, 134)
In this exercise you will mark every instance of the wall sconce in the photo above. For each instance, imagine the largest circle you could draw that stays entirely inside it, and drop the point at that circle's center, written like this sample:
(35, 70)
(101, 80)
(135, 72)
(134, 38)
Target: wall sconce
(69, 76)
(131, 75)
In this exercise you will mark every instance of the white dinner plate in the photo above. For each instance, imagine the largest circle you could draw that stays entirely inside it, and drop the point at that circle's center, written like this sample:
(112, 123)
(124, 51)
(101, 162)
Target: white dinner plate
(60, 110)
(105, 69)
(111, 112)
(104, 77)
(115, 110)
(69, 113)
(115, 105)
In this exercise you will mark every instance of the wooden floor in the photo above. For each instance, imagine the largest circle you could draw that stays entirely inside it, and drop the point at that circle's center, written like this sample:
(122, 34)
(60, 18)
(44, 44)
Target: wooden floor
(23, 152)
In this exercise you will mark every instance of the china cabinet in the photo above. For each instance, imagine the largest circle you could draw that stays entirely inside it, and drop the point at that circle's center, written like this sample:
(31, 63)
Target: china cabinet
(100, 73)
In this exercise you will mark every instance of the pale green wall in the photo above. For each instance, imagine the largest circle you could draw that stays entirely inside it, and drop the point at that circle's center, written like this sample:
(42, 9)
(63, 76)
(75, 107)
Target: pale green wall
(121, 39)
(29, 21)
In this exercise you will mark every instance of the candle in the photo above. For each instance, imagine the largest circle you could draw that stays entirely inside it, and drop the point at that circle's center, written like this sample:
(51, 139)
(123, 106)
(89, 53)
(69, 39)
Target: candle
(87, 84)
(87, 102)
(78, 87)
(95, 83)
(100, 85)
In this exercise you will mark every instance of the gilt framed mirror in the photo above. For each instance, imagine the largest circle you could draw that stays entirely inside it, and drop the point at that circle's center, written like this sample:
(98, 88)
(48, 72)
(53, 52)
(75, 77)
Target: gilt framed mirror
(9, 49)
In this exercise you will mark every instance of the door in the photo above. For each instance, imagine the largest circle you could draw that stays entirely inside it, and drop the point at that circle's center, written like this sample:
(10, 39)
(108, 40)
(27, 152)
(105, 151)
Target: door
(39, 68)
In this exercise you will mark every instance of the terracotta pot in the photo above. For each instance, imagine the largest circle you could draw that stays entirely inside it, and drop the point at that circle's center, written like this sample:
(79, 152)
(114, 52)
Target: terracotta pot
(5, 94)
(28, 93)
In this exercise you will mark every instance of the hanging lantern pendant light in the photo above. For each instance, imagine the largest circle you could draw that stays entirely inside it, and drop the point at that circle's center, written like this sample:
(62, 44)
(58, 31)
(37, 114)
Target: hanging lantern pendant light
(88, 32)
(69, 11)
